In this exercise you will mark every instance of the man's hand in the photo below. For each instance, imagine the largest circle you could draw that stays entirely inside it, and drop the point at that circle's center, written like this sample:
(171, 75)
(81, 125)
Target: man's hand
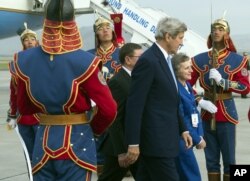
(188, 139)
(122, 160)
(208, 106)
(215, 74)
(132, 154)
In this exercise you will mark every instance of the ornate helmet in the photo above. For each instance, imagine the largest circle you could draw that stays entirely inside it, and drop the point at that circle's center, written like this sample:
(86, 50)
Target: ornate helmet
(221, 23)
(227, 39)
(99, 22)
(27, 32)
(60, 32)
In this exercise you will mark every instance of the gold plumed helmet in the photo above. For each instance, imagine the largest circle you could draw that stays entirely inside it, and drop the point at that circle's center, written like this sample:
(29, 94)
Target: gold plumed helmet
(227, 39)
(100, 22)
(221, 23)
(27, 32)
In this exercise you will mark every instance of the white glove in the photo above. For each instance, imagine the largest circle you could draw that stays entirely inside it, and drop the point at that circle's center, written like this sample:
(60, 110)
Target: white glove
(215, 74)
(208, 106)
(11, 123)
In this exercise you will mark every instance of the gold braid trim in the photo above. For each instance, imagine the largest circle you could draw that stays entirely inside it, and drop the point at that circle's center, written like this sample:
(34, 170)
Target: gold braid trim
(60, 37)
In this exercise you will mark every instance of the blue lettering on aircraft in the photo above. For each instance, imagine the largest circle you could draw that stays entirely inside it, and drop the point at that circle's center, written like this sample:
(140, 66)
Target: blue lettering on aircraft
(153, 29)
(115, 4)
(134, 16)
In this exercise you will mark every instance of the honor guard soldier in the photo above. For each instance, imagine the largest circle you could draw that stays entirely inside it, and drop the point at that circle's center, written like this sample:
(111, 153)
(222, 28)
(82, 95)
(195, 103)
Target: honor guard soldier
(108, 51)
(106, 47)
(27, 124)
(58, 86)
(221, 72)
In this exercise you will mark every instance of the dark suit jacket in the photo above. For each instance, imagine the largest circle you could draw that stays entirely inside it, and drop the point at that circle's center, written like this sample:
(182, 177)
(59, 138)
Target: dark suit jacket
(119, 86)
(152, 117)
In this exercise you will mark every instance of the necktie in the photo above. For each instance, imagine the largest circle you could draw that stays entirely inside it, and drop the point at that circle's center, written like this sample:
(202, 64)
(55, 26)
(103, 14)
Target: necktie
(171, 69)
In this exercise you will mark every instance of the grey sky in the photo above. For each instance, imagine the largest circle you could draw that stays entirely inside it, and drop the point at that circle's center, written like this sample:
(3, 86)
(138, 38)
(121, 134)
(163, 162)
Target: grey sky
(197, 13)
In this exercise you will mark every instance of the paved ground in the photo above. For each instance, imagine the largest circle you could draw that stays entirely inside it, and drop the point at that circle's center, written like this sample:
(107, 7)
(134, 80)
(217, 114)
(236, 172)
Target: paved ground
(12, 164)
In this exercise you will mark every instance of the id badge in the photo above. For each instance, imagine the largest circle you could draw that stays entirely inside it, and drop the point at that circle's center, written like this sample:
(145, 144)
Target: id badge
(195, 120)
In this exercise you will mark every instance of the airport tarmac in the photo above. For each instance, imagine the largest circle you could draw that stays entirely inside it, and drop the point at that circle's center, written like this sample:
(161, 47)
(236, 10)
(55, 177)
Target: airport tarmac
(12, 163)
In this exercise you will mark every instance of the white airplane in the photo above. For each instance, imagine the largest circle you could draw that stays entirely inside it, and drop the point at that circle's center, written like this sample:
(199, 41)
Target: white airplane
(140, 23)
(14, 13)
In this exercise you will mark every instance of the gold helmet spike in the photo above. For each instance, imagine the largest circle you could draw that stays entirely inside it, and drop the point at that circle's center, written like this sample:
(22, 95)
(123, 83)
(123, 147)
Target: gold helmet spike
(27, 32)
(222, 23)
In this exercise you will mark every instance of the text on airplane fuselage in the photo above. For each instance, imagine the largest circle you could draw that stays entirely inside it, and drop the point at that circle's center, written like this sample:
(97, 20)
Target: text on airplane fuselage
(133, 15)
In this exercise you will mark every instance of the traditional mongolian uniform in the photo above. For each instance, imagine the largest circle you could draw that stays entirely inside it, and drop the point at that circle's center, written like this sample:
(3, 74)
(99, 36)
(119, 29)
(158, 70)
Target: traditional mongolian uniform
(232, 68)
(57, 80)
(27, 124)
(110, 66)
(110, 60)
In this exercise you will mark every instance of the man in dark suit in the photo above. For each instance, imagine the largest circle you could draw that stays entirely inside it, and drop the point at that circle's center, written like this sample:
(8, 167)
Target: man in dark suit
(153, 124)
(115, 165)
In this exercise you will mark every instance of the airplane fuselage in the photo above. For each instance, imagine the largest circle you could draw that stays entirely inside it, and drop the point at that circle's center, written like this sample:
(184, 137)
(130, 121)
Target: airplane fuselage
(12, 21)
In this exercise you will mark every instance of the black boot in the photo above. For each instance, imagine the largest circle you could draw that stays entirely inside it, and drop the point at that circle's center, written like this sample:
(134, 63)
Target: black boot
(214, 176)
(226, 177)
